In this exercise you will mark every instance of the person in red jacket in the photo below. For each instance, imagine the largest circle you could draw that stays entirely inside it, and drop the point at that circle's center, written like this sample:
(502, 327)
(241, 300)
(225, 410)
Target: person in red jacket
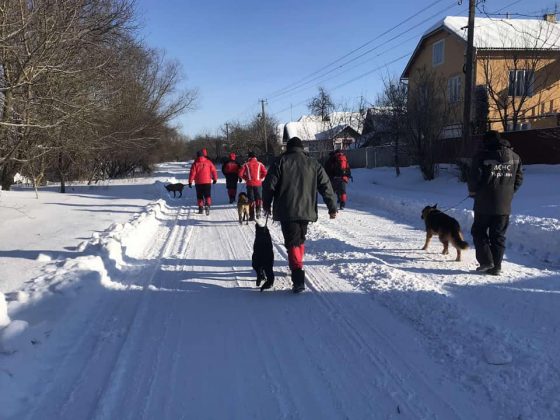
(253, 172)
(203, 173)
(339, 172)
(230, 169)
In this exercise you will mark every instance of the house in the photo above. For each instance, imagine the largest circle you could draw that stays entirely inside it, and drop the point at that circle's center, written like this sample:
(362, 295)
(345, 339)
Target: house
(338, 130)
(516, 72)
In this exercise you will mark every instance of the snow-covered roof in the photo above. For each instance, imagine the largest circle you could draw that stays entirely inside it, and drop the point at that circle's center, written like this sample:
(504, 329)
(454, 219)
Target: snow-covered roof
(311, 127)
(498, 34)
(490, 33)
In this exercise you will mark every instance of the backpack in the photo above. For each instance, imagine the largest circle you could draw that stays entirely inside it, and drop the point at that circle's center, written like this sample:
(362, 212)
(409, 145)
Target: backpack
(341, 167)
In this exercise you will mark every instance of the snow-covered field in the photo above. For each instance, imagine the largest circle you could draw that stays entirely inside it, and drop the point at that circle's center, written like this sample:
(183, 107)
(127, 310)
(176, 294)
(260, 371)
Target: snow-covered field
(122, 303)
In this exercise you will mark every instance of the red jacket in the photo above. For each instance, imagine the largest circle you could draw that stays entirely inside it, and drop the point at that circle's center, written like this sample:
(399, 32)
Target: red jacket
(203, 171)
(231, 167)
(253, 172)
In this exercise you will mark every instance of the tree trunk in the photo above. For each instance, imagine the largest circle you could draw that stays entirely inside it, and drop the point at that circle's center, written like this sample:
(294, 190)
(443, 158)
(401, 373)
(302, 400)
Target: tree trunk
(397, 163)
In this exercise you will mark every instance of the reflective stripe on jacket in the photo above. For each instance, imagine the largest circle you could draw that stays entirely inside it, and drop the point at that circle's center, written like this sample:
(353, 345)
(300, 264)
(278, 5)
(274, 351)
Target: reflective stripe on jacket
(253, 172)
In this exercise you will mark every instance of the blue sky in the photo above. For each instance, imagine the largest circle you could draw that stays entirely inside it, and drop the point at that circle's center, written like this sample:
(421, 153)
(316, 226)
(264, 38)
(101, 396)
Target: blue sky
(239, 51)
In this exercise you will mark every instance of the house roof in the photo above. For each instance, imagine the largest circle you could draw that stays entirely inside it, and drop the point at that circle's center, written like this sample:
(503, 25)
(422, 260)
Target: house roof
(311, 127)
(498, 34)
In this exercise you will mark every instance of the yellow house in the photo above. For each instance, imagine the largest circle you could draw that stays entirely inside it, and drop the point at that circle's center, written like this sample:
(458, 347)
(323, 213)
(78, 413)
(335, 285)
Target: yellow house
(516, 71)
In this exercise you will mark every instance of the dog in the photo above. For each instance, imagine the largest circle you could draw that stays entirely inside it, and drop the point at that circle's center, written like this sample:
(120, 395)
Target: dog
(175, 187)
(446, 227)
(243, 208)
(263, 257)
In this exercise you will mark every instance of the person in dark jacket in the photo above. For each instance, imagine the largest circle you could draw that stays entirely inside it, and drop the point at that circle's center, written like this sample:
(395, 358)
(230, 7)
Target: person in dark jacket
(202, 173)
(291, 187)
(496, 174)
(230, 169)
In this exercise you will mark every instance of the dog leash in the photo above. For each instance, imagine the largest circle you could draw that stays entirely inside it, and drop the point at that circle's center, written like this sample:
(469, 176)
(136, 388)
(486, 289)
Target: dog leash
(455, 205)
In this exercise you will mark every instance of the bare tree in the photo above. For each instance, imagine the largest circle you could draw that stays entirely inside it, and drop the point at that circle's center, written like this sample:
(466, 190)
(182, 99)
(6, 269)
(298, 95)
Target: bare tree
(321, 105)
(393, 112)
(428, 113)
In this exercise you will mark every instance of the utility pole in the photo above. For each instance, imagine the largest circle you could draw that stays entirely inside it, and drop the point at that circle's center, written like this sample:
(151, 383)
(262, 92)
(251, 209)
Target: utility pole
(263, 101)
(467, 105)
(227, 134)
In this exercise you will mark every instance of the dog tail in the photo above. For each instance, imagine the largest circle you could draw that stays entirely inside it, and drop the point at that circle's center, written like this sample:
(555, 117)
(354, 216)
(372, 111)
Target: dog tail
(458, 239)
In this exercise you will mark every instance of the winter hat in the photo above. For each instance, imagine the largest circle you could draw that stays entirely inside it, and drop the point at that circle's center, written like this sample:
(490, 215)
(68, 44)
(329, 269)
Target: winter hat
(491, 136)
(252, 154)
(294, 142)
(198, 154)
(232, 156)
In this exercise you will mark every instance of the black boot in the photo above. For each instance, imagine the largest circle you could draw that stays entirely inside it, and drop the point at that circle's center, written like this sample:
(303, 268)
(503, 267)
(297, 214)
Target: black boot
(207, 209)
(298, 279)
(267, 284)
(200, 210)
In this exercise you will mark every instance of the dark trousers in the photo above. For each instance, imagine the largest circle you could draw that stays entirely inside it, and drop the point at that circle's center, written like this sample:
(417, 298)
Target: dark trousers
(203, 192)
(294, 238)
(489, 237)
(339, 187)
(254, 194)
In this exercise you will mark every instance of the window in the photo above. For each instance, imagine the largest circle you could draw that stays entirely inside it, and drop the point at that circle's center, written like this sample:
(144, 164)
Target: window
(521, 82)
(454, 89)
(437, 53)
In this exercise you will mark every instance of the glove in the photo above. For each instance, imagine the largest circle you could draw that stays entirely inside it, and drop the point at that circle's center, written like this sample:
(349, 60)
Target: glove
(214, 181)
(332, 215)
(190, 185)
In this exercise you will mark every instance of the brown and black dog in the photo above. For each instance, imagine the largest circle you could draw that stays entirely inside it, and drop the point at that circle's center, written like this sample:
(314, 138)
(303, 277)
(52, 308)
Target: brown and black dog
(446, 227)
(175, 187)
(243, 208)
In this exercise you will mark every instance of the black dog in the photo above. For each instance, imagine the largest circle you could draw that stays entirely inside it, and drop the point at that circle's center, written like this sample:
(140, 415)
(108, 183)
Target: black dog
(263, 257)
(175, 187)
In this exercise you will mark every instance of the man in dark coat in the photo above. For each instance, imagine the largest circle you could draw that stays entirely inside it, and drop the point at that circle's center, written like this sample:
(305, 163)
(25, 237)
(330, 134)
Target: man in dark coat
(496, 174)
(291, 185)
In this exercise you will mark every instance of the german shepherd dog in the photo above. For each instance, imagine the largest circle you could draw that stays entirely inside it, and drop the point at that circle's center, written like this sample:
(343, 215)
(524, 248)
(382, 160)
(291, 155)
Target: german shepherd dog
(243, 208)
(446, 227)
(175, 187)
(263, 257)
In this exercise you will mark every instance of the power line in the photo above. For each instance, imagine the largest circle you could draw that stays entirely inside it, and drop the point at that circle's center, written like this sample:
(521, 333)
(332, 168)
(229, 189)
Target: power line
(312, 75)
(318, 77)
(361, 76)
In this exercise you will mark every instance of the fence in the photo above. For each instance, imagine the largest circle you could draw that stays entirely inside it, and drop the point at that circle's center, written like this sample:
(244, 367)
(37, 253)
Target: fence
(376, 157)
(533, 146)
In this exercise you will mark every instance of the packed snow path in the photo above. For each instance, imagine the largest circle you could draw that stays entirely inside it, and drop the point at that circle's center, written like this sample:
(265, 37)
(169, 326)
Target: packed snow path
(199, 341)
(384, 330)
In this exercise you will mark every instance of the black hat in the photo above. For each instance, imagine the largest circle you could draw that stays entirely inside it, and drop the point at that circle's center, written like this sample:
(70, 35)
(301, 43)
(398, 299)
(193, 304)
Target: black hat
(198, 154)
(252, 154)
(294, 142)
(491, 136)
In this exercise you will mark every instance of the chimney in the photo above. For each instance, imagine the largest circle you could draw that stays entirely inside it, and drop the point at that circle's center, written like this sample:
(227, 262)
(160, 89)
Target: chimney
(550, 17)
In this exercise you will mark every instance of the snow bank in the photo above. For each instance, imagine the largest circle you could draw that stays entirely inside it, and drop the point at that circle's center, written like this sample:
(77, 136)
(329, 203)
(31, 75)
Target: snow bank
(103, 261)
(4, 317)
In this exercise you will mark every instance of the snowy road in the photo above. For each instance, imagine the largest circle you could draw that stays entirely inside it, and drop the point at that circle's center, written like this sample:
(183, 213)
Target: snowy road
(199, 341)
(384, 330)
